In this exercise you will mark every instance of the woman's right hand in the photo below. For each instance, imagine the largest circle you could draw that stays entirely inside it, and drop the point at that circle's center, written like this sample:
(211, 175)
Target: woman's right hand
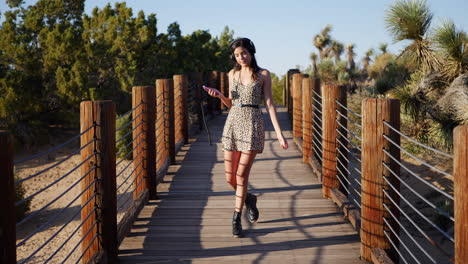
(212, 91)
(283, 142)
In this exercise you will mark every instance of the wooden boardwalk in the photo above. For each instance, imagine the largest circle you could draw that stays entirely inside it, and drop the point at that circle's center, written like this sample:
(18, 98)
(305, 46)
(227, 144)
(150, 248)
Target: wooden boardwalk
(191, 223)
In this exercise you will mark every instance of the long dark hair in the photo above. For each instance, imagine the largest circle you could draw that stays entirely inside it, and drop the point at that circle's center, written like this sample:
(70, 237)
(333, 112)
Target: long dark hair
(250, 47)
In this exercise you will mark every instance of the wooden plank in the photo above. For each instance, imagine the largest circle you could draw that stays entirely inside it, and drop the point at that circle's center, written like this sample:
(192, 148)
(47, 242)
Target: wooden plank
(379, 256)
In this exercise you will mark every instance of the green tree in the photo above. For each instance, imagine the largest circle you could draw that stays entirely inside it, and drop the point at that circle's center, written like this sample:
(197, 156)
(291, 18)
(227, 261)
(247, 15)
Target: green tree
(277, 87)
(52, 56)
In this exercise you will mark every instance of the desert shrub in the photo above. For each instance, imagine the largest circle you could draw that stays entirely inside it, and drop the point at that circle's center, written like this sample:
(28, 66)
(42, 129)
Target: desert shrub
(393, 74)
(440, 219)
(25, 207)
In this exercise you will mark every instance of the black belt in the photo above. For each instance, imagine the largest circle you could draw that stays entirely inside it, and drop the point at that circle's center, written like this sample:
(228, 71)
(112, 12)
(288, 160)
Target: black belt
(246, 105)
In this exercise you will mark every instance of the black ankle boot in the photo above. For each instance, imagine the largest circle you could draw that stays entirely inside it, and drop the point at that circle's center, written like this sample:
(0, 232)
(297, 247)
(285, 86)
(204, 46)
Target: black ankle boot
(251, 206)
(236, 225)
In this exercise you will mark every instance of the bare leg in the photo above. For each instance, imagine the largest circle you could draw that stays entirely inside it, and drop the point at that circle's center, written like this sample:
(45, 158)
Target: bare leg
(245, 164)
(231, 162)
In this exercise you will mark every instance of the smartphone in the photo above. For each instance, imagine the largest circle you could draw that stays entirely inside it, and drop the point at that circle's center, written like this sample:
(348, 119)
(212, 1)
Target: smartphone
(210, 89)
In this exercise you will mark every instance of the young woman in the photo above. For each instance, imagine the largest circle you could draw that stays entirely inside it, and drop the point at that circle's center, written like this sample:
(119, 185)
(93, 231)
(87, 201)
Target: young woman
(244, 134)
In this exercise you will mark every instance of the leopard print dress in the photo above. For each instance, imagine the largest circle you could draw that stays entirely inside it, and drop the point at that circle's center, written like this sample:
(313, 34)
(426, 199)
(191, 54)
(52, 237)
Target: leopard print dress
(244, 127)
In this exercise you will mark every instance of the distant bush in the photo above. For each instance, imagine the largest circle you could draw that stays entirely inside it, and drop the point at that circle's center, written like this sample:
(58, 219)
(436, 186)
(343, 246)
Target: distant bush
(122, 151)
(388, 73)
(327, 71)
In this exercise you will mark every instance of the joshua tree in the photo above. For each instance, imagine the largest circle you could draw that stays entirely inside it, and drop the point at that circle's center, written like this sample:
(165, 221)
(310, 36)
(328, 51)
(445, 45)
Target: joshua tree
(351, 54)
(322, 40)
(452, 44)
(383, 47)
(313, 57)
(410, 20)
(337, 49)
(366, 60)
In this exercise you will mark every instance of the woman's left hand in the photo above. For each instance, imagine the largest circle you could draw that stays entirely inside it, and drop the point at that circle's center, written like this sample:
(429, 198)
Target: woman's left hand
(283, 142)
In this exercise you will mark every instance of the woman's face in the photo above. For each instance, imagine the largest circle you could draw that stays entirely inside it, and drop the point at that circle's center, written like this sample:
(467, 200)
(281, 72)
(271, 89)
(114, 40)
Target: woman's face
(242, 56)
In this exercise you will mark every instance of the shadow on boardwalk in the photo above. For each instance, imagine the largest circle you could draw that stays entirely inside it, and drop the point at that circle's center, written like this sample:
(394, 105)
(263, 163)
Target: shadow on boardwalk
(191, 221)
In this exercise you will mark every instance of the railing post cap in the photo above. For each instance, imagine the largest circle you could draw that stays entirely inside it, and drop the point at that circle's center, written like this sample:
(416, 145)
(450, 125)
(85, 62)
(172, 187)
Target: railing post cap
(458, 129)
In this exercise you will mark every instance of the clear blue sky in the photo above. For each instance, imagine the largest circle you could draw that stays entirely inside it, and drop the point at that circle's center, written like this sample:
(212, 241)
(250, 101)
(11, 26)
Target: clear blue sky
(283, 30)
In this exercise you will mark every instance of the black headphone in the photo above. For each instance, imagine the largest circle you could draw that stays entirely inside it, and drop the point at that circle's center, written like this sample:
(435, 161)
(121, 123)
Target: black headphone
(250, 47)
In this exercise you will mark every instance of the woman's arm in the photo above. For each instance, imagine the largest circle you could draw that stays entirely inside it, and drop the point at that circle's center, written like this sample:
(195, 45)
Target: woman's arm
(227, 101)
(265, 74)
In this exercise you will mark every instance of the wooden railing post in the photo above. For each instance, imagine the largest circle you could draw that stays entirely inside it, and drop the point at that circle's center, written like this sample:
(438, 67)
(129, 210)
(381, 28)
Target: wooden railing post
(212, 81)
(181, 88)
(330, 94)
(144, 142)
(297, 104)
(7, 200)
(160, 130)
(166, 87)
(100, 198)
(460, 165)
(307, 84)
(223, 86)
(289, 90)
(195, 83)
(374, 113)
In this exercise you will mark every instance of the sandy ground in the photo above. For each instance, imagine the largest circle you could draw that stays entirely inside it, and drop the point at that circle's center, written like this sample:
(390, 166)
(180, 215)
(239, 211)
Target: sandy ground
(55, 231)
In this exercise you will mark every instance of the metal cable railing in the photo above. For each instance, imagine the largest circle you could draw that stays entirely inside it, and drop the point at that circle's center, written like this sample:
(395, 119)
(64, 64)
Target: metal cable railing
(129, 194)
(348, 172)
(407, 233)
(129, 122)
(129, 111)
(419, 177)
(413, 224)
(131, 173)
(70, 219)
(416, 142)
(54, 165)
(44, 233)
(122, 174)
(317, 126)
(17, 162)
(411, 208)
(32, 215)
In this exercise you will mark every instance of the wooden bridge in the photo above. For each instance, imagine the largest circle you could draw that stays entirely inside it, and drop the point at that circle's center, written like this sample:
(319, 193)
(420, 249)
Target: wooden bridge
(191, 220)
(341, 193)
